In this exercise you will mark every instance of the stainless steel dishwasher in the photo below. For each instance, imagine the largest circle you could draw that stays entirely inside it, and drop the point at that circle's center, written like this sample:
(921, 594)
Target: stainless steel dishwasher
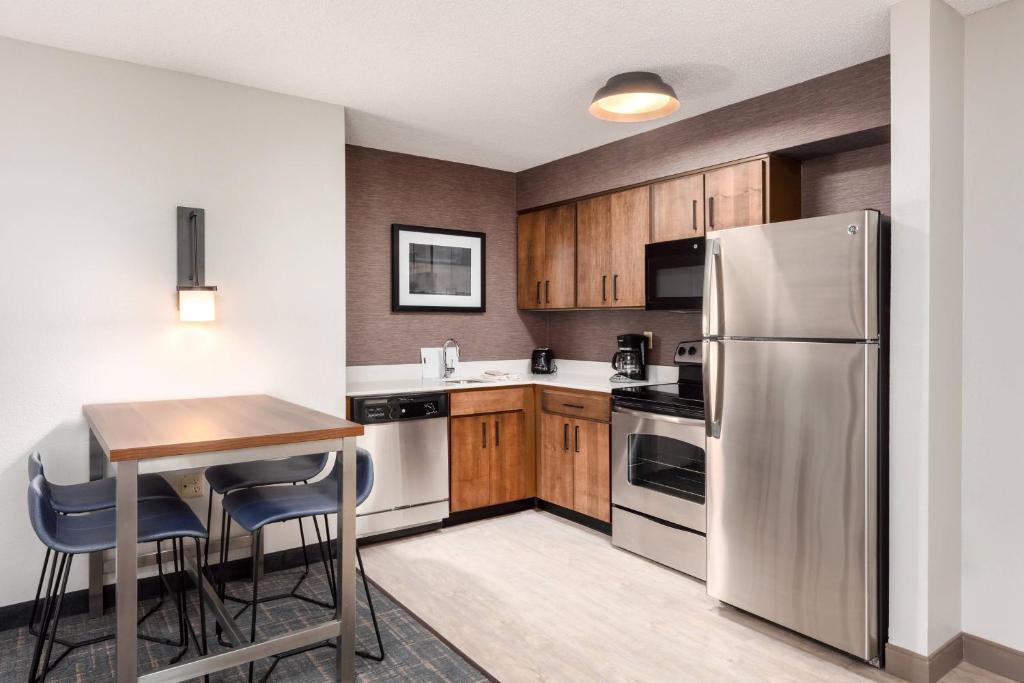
(407, 436)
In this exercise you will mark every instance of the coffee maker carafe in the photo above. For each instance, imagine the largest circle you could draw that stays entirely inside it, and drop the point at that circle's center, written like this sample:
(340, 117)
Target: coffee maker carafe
(630, 361)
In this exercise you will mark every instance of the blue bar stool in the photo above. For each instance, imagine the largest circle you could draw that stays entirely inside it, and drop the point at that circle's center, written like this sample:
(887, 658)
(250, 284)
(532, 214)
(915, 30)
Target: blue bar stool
(92, 496)
(160, 519)
(255, 508)
(225, 479)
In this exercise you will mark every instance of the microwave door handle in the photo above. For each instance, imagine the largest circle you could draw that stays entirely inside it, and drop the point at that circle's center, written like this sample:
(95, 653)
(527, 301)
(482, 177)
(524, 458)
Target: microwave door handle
(712, 270)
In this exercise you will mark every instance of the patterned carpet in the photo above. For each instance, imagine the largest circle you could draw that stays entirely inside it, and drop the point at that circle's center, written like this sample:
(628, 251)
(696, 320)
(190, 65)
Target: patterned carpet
(413, 652)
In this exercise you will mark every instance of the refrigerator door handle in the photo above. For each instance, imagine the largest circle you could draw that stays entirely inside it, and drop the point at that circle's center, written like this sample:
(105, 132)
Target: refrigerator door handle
(713, 417)
(712, 269)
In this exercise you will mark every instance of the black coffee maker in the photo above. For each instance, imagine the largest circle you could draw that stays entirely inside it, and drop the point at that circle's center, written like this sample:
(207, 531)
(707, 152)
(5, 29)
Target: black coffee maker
(630, 361)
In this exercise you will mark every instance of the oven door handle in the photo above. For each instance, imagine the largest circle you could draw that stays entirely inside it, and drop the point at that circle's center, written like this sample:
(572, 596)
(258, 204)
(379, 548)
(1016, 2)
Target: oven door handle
(658, 417)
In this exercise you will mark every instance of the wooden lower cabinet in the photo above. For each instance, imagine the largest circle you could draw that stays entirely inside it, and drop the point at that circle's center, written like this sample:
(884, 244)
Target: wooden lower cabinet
(591, 470)
(555, 468)
(490, 460)
(574, 465)
(509, 469)
(470, 462)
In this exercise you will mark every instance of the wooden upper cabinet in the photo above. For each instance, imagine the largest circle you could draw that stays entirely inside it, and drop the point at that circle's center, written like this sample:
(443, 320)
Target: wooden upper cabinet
(546, 273)
(735, 195)
(612, 231)
(677, 208)
(593, 256)
(631, 231)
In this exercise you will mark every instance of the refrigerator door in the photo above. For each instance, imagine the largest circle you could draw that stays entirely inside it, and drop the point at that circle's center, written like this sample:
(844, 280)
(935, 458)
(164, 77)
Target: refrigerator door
(815, 278)
(792, 493)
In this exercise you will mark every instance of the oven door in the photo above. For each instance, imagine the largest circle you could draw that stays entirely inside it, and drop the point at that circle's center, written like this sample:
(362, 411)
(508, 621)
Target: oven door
(674, 273)
(658, 466)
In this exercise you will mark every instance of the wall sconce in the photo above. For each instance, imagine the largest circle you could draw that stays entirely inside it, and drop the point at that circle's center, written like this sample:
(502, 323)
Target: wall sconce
(195, 299)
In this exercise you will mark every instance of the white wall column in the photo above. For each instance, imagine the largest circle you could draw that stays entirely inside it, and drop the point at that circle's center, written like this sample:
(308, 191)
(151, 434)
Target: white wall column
(927, 324)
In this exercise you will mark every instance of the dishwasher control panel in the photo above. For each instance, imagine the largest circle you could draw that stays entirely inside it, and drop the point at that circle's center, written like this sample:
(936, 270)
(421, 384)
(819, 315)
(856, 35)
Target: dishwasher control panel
(369, 410)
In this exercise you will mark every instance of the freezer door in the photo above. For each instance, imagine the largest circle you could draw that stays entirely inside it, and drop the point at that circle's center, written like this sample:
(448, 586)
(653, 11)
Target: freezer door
(792, 486)
(815, 278)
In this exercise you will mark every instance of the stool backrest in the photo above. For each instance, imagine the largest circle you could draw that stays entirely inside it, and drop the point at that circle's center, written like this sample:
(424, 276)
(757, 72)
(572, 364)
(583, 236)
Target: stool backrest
(364, 473)
(35, 466)
(40, 510)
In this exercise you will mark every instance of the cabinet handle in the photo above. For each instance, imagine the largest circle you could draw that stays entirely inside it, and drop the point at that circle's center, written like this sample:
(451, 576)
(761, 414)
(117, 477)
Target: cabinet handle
(565, 436)
(576, 438)
(538, 291)
(695, 215)
(604, 288)
(615, 287)
(483, 434)
(711, 212)
(577, 406)
(497, 433)
(547, 297)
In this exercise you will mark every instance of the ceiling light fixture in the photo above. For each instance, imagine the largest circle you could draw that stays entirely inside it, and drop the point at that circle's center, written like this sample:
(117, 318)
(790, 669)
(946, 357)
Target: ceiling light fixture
(634, 96)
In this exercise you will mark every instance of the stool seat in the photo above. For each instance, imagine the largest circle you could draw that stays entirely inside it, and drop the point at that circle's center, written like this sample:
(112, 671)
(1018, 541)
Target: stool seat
(159, 519)
(71, 499)
(254, 508)
(227, 478)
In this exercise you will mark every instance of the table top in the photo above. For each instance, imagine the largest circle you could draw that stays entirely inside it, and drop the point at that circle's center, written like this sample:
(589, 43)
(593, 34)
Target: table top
(154, 429)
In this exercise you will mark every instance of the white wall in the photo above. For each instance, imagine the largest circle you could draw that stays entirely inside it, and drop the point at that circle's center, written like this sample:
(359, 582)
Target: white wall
(993, 514)
(95, 156)
(927, 172)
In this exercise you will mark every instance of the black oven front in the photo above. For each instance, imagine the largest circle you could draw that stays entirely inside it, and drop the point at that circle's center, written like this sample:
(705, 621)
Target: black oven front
(675, 275)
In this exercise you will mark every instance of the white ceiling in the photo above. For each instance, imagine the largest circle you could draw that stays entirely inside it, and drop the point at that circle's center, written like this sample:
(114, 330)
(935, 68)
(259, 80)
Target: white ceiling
(504, 84)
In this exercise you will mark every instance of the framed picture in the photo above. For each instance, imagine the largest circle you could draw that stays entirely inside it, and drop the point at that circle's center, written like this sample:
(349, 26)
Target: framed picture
(434, 269)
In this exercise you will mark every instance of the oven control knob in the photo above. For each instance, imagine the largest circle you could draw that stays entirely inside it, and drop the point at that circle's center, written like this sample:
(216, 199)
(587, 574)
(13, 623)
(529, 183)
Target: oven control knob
(692, 351)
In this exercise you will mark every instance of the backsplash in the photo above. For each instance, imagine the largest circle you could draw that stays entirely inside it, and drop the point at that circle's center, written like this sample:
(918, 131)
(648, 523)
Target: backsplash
(590, 335)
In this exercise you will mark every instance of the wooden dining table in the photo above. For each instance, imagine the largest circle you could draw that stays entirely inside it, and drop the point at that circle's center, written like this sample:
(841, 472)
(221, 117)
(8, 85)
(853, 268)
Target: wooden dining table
(163, 436)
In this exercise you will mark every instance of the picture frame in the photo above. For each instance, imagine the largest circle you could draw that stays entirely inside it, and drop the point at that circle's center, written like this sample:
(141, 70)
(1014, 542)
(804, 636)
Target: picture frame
(437, 270)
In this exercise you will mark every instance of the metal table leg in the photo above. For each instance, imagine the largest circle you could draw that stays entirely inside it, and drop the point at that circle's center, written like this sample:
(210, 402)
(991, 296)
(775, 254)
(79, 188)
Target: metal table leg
(346, 568)
(97, 468)
(127, 588)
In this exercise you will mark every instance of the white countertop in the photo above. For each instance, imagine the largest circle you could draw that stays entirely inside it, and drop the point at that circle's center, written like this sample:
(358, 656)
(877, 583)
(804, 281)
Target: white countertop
(583, 375)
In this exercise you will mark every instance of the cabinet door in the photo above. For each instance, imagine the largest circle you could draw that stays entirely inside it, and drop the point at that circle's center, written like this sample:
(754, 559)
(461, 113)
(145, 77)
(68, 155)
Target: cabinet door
(509, 469)
(559, 288)
(735, 195)
(530, 260)
(677, 208)
(593, 252)
(470, 462)
(591, 470)
(554, 481)
(631, 231)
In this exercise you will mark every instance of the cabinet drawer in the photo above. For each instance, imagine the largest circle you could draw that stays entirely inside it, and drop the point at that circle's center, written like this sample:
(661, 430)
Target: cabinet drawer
(473, 402)
(576, 404)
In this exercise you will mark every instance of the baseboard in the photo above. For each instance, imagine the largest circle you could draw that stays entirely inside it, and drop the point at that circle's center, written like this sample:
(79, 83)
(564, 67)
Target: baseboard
(962, 647)
(476, 514)
(573, 516)
(994, 657)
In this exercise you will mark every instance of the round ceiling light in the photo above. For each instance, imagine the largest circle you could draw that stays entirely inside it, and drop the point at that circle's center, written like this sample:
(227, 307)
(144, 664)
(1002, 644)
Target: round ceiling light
(634, 96)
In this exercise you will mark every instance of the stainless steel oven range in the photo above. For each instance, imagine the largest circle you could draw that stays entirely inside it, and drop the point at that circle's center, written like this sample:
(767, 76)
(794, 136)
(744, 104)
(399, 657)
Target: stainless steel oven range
(658, 468)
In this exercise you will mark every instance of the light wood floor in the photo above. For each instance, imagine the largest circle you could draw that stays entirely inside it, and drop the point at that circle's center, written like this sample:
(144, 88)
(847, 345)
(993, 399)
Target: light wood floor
(532, 597)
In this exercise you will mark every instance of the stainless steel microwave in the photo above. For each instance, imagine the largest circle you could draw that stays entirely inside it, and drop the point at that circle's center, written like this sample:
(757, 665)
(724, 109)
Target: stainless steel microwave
(675, 275)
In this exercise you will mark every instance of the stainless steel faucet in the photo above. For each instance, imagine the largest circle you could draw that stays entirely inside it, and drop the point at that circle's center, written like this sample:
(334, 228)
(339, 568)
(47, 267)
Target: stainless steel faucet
(449, 369)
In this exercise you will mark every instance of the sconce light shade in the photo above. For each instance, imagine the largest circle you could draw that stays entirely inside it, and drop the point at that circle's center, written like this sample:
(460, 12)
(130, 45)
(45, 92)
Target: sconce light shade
(197, 305)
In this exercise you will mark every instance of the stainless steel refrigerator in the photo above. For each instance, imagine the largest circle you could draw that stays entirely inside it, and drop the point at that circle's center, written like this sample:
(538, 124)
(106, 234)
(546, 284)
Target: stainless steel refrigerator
(795, 327)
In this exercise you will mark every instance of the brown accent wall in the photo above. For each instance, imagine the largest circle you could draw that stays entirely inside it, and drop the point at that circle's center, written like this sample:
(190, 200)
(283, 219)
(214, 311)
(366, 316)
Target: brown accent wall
(837, 104)
(590, 335)
(384, 188)
(858, 179)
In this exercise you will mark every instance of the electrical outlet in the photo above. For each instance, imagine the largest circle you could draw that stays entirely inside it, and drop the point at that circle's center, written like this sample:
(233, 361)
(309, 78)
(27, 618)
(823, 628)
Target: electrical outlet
(190, 485)
(650, 340)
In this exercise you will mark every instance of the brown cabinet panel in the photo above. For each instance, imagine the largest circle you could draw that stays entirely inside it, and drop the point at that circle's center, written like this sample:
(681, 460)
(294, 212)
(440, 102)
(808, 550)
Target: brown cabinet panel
(677, 208)
(469, 445)
(631, 231)
(593, 256)
(735, 195)
(478, 401)
(510, 472)
(559, 288)
(555, 470)
(530, 260)
(591, 470)
(592, 406)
